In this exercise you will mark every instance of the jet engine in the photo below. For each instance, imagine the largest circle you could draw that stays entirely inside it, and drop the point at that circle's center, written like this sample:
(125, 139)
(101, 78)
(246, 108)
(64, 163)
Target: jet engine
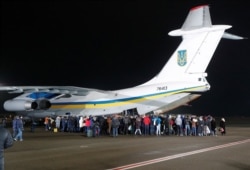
(43, 104)
(26, 105)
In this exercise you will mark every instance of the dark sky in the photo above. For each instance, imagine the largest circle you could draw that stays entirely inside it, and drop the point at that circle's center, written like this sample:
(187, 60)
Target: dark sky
(119, 44)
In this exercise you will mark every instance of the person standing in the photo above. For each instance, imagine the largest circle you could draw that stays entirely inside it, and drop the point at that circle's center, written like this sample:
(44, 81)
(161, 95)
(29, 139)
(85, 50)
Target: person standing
(178, 122)
(213, 127)
(126, 121)
(109, 122)
(88, 129)
(158, 126)
(138, 125)
(47, 123)
(19, 126)
(6, 141)
(223, 126)
(146, 122)
(194, 126)
(187, 128)
(81, 123)
(14, 128)
(58, 122)
(200, 127)
(96, 128)
(115, 125)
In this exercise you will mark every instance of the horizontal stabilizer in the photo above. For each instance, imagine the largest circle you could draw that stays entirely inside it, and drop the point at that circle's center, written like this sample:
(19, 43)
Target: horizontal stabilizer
(232, 37)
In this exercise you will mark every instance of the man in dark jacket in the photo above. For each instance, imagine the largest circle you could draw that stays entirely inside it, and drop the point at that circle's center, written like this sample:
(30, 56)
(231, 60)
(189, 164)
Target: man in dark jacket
(6, 141)
(115, 125)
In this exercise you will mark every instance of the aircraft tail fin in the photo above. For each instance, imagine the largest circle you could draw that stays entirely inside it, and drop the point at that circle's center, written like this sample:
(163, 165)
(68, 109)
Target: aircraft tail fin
(198, 17)
(199, 41)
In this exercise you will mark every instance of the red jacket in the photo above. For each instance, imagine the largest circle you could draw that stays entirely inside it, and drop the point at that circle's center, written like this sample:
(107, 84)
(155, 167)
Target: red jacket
(146, 120)
(87, 122)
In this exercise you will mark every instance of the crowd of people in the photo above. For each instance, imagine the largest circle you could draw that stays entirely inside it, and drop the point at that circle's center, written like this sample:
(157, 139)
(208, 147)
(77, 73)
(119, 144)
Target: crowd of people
(179, 125)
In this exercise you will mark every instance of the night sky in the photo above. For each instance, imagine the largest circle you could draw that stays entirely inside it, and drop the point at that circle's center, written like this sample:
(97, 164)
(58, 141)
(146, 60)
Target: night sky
(118, 44)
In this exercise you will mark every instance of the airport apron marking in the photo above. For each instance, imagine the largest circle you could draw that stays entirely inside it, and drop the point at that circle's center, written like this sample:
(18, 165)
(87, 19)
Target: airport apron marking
(139, 164)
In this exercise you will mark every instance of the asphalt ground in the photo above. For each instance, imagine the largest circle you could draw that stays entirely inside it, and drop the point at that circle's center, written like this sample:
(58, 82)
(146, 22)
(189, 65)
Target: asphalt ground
(48, 150)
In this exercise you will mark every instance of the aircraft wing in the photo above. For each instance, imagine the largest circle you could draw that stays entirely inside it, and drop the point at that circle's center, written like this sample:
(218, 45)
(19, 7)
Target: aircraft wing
(73, 90)
(35, 98)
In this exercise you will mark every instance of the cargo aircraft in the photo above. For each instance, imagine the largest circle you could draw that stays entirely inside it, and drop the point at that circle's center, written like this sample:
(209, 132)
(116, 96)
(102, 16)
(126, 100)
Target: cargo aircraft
(181, 80)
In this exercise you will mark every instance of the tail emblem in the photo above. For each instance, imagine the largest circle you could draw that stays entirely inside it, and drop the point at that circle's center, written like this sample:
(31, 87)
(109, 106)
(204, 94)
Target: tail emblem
(182, 57)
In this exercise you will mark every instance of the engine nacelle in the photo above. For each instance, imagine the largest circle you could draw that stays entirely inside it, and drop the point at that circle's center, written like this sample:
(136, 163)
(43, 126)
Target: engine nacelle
(43, 104)
(26, 105)
(19, 105)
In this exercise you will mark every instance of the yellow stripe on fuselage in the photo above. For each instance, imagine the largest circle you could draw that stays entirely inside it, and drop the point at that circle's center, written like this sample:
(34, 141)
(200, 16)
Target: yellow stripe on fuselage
(115, 103)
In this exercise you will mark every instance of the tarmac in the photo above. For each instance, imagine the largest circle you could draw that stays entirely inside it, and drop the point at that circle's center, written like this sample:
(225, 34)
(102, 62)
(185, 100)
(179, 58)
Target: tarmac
(49, 150)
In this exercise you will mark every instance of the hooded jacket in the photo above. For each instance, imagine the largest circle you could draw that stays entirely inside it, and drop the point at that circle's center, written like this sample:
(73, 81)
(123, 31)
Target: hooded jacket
(6, 141)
